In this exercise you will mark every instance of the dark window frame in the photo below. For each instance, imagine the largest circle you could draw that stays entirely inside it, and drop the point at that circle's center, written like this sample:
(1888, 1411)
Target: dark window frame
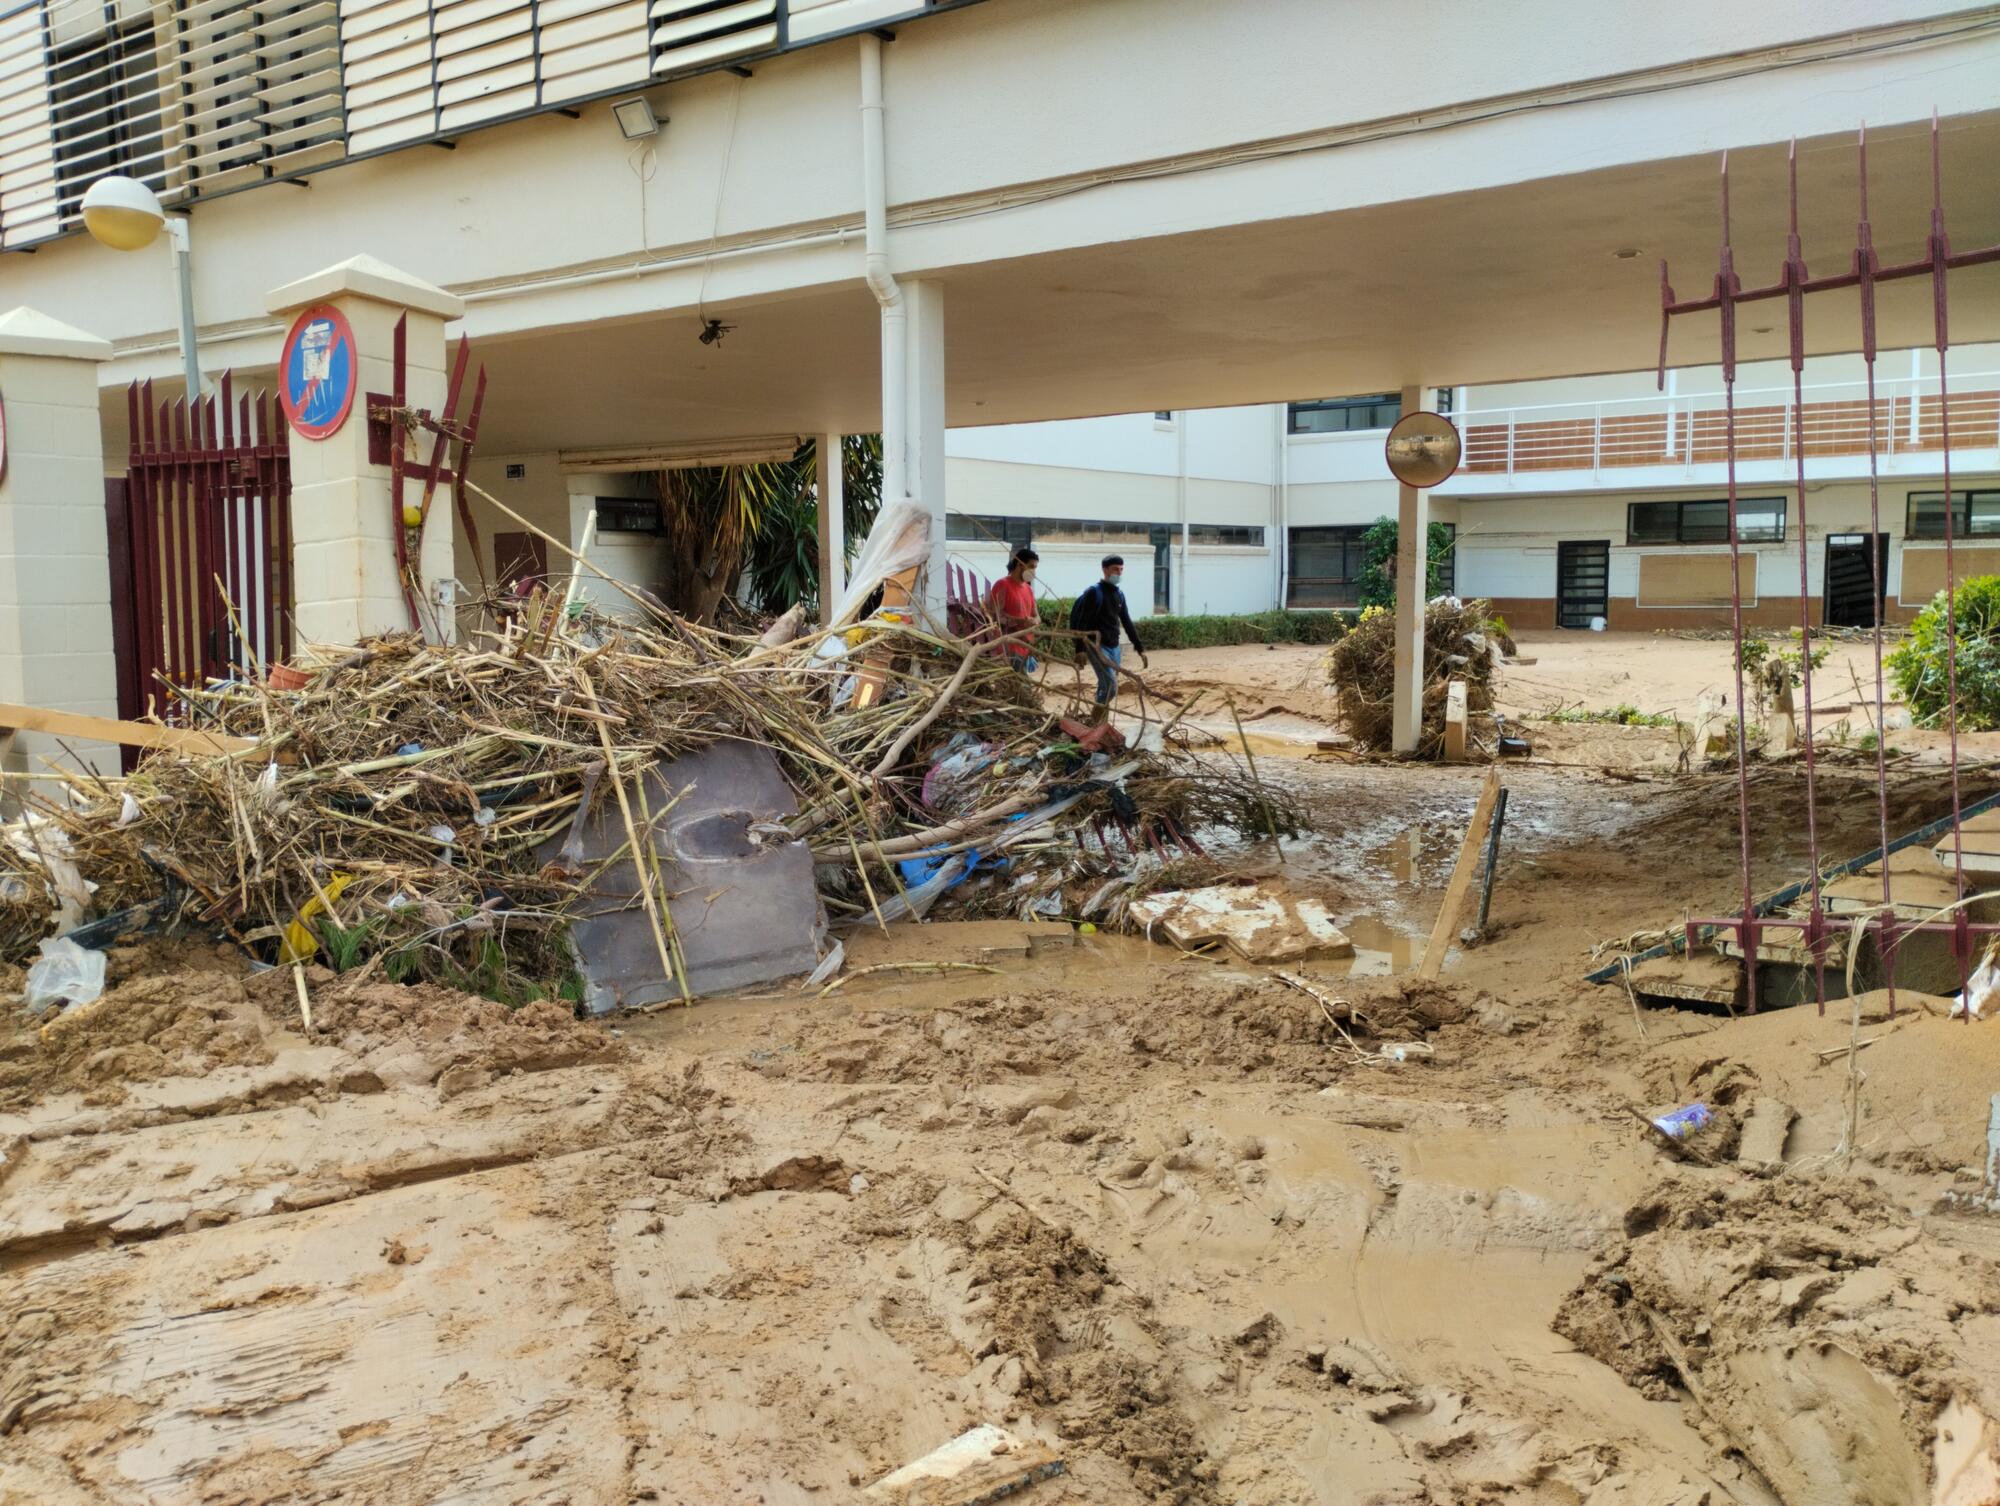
(1367, 414)
(1703, 535)
(1214, 535)
(1965, 521)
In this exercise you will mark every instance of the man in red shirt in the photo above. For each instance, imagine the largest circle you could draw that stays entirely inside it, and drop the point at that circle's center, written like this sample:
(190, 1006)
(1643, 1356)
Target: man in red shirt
(1011, 605)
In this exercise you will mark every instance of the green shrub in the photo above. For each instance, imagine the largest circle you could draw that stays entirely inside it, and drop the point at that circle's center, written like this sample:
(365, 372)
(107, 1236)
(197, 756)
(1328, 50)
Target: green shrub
(1919, 661)
(1212, 630)
(1378, 545)
(1624, 714)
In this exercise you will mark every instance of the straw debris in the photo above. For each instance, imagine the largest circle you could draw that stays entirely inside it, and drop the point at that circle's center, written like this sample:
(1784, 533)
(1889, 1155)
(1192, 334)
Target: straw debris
(408, 807)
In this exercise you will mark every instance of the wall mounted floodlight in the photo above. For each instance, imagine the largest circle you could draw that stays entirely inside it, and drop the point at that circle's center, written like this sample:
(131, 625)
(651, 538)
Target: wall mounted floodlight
(636, 120)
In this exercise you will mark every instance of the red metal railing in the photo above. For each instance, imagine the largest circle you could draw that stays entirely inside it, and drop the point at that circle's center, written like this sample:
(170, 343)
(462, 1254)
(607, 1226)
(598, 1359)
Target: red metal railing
(208, 488)
(1795, 285)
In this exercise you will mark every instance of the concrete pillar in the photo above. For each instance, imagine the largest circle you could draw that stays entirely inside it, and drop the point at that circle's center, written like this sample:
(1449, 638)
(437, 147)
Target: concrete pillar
(343, 524)
(1413, 526)
(924, 430)
(55, 576)
(832, 486)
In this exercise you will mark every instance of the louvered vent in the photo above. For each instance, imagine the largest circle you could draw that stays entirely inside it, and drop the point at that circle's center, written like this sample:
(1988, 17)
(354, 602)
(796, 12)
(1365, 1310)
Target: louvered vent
(259, 89)
(418, 68)
(808, 19)
(694, 34)
(27, 136)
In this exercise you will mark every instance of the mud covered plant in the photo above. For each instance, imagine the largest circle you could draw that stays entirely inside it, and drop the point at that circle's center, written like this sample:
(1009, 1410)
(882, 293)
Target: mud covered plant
(1919, 663)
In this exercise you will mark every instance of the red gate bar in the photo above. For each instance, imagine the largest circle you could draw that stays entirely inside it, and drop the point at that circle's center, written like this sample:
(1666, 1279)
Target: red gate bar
(1794, 284)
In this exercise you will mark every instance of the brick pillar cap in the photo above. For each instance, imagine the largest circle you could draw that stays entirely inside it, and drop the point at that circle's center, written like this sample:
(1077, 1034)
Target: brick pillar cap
(29, 332)
(366, 277)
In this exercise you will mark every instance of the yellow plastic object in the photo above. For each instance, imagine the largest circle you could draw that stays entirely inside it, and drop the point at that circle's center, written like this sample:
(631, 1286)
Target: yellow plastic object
(299, 943)
(413, 515)
(1086, 929)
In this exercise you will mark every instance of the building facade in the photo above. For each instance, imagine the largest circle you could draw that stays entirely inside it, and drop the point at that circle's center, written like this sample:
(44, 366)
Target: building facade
(1577, 499)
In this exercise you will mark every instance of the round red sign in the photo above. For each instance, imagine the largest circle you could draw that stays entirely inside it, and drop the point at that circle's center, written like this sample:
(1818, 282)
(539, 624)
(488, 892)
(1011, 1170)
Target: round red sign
(318, 372)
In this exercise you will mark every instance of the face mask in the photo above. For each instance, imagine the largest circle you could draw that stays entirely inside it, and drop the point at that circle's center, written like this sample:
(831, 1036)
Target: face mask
(1028, 577)
(1115, 576)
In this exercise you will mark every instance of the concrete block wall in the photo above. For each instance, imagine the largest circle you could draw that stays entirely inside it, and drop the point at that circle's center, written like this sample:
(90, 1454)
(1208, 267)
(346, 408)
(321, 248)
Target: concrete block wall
(55, 580)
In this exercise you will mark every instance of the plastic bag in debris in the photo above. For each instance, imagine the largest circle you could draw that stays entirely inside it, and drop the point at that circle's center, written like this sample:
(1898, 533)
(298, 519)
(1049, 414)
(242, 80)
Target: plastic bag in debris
(925, 866)
(948, 787)
(1981, 994)
(67, 973)
(128, 810)
(899, 541)
(929, 876)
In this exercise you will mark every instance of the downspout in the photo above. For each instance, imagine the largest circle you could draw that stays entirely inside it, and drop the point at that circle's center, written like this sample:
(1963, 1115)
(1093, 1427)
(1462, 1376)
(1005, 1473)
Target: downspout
(881, 282)
(1177, 600)
(1282, 545)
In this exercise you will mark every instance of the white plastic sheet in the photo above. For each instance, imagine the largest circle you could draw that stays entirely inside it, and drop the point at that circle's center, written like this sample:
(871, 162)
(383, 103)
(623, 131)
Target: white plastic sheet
(900, 539)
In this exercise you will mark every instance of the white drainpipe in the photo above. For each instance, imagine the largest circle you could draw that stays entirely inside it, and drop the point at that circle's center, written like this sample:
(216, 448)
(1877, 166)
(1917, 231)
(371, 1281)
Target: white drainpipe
(881, 282)
(1281, 546)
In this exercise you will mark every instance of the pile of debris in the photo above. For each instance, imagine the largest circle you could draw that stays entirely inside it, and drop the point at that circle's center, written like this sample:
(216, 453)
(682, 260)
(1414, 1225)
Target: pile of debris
(470, 815)
(1458, 645)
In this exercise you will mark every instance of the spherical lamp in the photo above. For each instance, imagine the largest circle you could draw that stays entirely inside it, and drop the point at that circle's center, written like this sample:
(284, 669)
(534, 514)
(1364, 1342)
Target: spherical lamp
(122, 213)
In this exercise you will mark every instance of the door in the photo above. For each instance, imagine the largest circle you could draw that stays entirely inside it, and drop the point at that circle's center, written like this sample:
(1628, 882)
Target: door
(520, 554)
(1583, 579)
(1855, 585)
(1163, 566)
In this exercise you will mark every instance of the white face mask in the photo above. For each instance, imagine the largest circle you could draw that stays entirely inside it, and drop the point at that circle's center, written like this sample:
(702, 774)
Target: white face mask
(1028, 577)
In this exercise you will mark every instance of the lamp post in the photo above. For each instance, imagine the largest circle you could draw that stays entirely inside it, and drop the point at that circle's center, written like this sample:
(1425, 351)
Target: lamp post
(125, 215)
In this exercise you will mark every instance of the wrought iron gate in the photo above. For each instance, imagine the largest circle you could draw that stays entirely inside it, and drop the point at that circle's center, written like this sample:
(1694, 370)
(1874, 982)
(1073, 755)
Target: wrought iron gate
(208, 536)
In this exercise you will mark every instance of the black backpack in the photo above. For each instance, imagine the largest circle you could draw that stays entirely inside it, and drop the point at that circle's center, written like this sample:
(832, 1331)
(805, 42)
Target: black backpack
(1084, 612)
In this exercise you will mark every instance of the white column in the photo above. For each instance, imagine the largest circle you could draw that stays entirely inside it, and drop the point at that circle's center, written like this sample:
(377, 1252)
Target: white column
(55, 575)
(832, 480)
(1413, 526)
(346, 583)
(924, 431)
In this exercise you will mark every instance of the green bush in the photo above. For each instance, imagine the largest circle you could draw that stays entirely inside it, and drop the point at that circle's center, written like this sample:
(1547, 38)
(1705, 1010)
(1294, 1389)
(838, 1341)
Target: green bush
(1919, 661)
(1377, 585)
(1213, 631)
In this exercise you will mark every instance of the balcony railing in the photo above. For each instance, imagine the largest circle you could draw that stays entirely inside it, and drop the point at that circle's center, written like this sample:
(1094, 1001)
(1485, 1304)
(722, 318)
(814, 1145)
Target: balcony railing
(1690, 429)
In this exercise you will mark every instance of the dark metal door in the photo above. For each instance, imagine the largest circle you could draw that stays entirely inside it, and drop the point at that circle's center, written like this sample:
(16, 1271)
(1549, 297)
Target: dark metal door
(1854, 586)
(208, 543)
(1583, 581)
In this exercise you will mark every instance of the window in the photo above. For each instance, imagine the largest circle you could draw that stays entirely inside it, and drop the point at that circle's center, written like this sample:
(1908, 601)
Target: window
(1325, 567)
(105, 103)
(1973, 515)
(1344, 415)
(1163, 415)
(1094, 531)
(1447, 563)
(1226, 535)
(1444, 399)
(989, 528)
(1759, 520)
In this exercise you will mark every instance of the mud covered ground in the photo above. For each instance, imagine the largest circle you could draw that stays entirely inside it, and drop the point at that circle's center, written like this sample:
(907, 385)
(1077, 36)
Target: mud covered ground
(1165, 1212)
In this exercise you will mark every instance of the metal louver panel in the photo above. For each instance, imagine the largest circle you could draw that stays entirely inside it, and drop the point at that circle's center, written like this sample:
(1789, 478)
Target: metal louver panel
(690, 34)
(386, 54)
(807, 19)
(591, 45)
(258, 89)
(27, 135)
(105, 77)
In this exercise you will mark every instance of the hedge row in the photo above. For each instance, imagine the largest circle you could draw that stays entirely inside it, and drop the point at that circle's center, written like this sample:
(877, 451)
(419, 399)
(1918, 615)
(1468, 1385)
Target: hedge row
(1220, 631)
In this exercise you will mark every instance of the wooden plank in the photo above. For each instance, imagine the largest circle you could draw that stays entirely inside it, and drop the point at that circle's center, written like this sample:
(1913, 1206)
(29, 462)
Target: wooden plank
(132, 734)
(1461, 878)
(1454, 721)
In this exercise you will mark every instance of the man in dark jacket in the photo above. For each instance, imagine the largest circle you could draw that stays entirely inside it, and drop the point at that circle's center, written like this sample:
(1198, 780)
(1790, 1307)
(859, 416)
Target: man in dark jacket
(1099, 613)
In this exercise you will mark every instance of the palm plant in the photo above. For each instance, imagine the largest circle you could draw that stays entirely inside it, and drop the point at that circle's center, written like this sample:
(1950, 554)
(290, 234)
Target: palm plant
(763, 518)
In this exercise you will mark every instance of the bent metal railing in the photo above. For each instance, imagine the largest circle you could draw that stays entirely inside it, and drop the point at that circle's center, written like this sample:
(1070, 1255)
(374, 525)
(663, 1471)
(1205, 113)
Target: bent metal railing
(1865, 271)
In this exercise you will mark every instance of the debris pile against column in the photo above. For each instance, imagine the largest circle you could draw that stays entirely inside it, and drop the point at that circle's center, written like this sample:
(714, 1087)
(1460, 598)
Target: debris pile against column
(1458, 644)
(408, 804)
